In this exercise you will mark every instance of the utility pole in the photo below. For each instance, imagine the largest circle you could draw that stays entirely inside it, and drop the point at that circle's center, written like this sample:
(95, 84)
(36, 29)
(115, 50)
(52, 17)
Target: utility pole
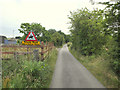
(13, 33)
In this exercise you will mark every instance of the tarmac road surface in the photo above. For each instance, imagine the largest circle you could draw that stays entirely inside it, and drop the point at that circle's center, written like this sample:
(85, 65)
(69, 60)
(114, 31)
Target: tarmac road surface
(69, 73)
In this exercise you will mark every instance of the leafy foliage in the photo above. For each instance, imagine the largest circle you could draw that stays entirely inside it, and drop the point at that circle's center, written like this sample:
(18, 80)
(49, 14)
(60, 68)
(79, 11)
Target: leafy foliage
(112, 31)
(86, 31)
(44, 35)
(112, 28)
(100, 67)
(58, 39)
(97, 32)
(69, 44)
(35, 27)
(33, 74)
(28, 74)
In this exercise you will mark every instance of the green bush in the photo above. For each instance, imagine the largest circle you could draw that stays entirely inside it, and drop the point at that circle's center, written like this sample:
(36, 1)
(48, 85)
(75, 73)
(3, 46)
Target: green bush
(87, 37)
(57, 39)
(113, 53)
(110, 52)
(33, 74)
(69, 44)
(100, 67)
(9, 68)
(24, 73)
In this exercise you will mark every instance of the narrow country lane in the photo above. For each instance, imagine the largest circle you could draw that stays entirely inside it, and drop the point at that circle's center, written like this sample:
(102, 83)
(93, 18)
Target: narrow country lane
(69, 73)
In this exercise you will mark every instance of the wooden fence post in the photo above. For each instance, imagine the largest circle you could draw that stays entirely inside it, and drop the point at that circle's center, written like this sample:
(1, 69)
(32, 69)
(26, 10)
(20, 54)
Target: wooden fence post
(46, 45)
(48, 49)
(42, 51)
(36, 55)
(16, 57)
(50, 46)
(27, 53)
(0, 51)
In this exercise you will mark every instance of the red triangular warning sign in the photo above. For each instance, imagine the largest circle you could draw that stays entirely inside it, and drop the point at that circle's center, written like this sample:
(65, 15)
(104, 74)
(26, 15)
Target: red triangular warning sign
(31, 37)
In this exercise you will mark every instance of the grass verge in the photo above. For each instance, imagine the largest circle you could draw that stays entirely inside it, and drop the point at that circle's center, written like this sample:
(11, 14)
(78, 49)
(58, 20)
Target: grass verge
(59, 46)
(27, 73)
(99, 67)
(51, 61)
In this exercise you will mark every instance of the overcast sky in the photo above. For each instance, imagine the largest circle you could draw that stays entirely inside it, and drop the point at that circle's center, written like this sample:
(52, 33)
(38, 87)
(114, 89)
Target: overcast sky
(49, 13)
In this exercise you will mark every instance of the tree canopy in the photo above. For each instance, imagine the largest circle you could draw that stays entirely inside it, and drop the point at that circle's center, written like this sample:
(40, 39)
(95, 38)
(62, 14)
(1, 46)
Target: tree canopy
(94, 32)
(51, 35)
(86, 29)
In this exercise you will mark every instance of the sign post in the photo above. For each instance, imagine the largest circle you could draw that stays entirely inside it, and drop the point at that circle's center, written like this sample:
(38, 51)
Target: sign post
(31, 40)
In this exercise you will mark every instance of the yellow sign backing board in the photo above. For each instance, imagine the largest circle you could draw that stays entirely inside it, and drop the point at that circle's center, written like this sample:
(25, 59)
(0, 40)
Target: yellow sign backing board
(30, 42)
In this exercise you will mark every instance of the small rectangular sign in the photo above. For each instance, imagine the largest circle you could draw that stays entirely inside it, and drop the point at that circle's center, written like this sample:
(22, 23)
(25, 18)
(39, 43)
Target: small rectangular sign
(30, 42)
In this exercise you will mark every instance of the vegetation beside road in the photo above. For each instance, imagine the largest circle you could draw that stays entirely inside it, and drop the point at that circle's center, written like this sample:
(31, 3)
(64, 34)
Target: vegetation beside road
(96, 41)
(28, 73)
(100, 67)
(95, 31)
(51, 35)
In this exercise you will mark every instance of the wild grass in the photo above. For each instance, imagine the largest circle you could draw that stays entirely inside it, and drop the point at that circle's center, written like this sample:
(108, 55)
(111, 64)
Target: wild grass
(24, 73)
(0, 73)
(51, 61)
(100, 67)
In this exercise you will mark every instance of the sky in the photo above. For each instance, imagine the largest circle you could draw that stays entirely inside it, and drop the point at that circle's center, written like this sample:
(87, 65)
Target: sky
(51, 14)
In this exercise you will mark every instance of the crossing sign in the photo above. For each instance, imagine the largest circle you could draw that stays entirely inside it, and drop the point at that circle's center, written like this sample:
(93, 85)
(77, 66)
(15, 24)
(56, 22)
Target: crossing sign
(31, 37)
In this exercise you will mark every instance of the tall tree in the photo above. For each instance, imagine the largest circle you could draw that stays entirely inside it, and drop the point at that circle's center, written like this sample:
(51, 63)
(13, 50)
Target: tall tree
(112, 27)
(43, 35)
(58, 39)
(34, 27)
(86, 29)
(51, 31)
